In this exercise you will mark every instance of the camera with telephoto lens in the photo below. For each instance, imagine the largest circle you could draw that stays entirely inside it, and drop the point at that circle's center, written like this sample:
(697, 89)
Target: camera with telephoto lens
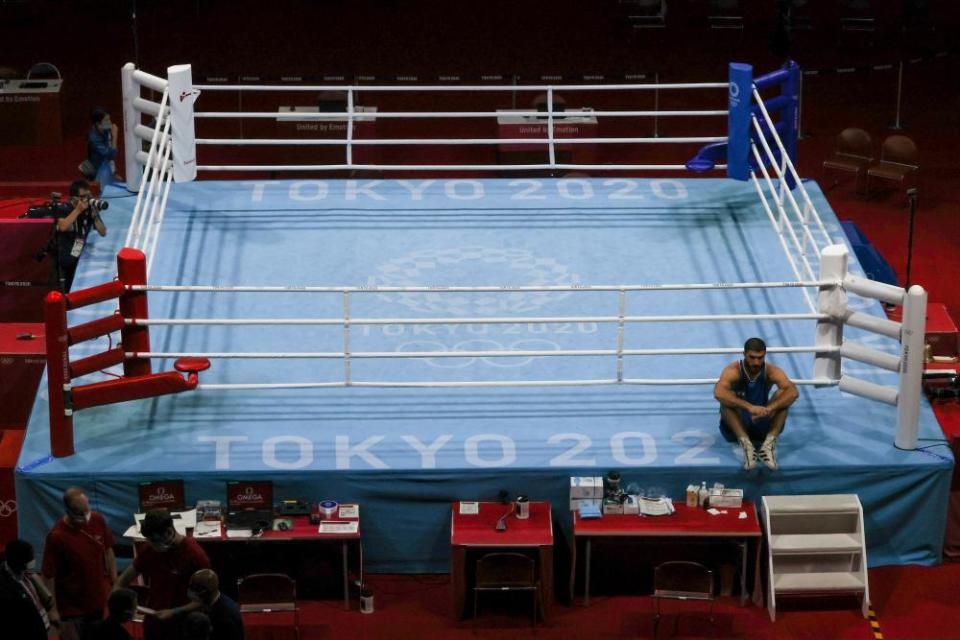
(99, 205)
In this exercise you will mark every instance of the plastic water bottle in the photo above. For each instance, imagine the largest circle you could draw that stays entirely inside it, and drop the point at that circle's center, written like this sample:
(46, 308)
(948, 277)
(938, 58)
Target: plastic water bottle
(703, 495)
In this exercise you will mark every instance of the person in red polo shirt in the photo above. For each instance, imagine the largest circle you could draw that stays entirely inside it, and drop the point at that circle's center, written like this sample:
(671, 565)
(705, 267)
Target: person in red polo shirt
(167, 564)
(79, 565)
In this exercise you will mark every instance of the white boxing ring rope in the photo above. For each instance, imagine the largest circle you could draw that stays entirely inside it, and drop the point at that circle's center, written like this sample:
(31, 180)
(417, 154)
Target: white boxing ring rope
(789, 165)
(480, 320)
(483, 289)
(469, 87)
(346, 322)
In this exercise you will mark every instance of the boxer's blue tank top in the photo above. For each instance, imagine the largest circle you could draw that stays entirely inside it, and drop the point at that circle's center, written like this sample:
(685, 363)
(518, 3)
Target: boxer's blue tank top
(755, 391)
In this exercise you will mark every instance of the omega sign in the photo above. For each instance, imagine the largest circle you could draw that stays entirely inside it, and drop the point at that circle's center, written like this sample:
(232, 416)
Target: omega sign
(160, 497)
(249, 496)
(167, 494)
(245, 495)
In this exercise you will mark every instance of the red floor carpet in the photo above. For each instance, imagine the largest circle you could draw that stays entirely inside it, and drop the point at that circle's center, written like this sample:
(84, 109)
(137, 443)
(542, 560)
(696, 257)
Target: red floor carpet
(909, 602)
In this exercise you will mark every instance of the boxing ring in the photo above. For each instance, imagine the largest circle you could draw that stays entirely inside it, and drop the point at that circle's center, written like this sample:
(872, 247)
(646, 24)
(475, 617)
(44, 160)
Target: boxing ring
(406, 342)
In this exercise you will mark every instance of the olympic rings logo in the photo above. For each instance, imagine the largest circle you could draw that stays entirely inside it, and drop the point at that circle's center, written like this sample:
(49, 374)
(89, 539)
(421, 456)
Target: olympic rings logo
(8, 508)
(509, 265)
(527, 344)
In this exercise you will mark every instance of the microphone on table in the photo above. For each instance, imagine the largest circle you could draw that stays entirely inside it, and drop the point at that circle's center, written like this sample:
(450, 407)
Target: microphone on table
(502, 521)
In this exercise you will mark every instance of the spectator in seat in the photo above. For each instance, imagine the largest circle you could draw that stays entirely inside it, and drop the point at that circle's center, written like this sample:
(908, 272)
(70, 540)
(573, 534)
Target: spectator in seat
(223, 612)
(167, 562)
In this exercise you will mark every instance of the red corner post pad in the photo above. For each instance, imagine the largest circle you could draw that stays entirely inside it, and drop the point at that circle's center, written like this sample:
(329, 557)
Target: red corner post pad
(139, 387)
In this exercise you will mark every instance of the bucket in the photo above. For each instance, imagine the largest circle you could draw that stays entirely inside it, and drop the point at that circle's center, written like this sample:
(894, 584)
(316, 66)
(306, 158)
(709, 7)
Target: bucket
(523, 508)
(366, 600)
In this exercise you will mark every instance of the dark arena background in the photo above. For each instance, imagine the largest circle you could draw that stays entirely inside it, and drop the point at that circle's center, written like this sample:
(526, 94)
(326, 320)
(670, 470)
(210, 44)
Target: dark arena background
(366, 302)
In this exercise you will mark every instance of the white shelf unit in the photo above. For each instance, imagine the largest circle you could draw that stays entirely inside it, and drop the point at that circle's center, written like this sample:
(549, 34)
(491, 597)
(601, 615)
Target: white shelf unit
(816, 545)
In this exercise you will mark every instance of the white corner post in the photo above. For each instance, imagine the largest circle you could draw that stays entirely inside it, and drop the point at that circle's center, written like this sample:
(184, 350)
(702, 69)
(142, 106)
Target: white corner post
(182, 95)
(911, 366)
(131, 118)
(832, 300)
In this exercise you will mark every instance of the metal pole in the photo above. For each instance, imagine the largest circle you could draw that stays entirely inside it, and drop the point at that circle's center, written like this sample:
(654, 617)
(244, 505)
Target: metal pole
(801, 135)
(912, 196)
(897, 125)
(136, 33)
(656, 105)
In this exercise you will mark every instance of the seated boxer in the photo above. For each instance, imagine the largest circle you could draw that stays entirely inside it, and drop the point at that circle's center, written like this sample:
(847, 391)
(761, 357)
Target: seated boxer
(748, 414)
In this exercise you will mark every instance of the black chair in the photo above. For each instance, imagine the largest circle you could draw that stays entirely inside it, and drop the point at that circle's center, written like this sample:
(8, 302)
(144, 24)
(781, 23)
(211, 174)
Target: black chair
(646, 14)
(853, 153)
(269, 593)
(539, 103)
(681, 580)
(726, 14)
(800, 16)
(857, 15)
(506, 572)
(43, 71)
(899, 160)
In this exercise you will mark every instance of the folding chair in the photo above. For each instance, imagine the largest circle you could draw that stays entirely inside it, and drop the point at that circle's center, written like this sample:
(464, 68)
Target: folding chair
(681, 580)
(269, 593)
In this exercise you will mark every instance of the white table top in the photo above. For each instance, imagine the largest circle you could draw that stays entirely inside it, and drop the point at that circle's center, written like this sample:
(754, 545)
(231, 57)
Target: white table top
(333, 117)
(574, 116)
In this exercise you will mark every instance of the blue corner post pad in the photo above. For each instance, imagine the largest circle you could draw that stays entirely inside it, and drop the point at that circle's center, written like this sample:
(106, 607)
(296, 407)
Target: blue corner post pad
(738, 121)
(708, 157)
(791, 114)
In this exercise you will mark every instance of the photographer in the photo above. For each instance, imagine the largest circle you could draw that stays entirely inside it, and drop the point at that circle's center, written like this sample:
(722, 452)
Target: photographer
(74, 220)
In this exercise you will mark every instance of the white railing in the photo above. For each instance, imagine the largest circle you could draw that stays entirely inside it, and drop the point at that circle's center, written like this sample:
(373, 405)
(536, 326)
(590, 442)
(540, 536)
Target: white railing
(617, 353)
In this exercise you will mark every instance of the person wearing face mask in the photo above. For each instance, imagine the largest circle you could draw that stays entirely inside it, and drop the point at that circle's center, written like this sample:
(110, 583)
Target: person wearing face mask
(101, 149)
(167, 563)
(122, 605)
(223, 612)
(78, 564)
(24, 602)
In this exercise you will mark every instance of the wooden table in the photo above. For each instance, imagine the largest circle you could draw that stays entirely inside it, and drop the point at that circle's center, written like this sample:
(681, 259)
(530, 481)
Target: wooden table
(687, 525)
(304, 532)
(478, 531)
